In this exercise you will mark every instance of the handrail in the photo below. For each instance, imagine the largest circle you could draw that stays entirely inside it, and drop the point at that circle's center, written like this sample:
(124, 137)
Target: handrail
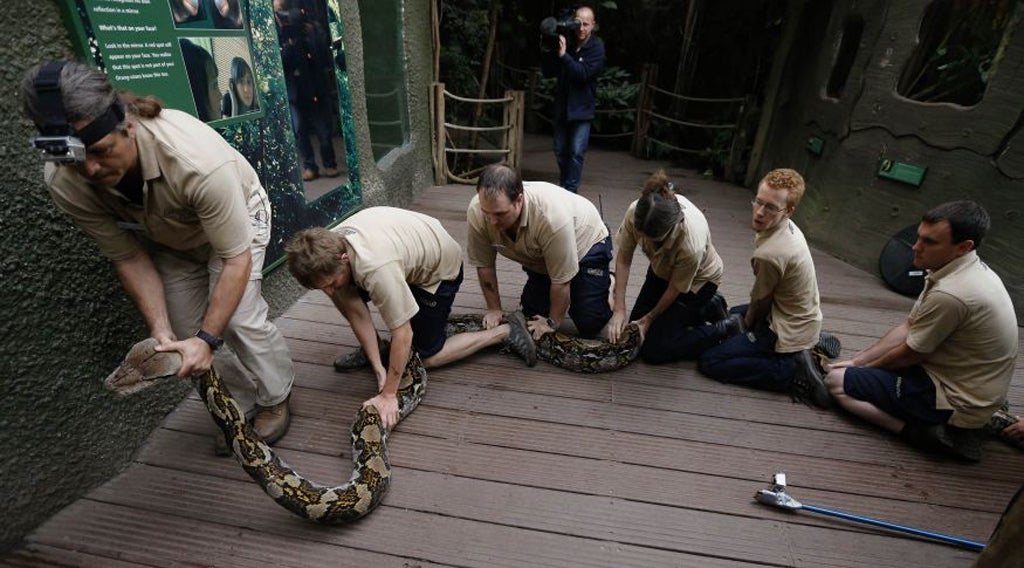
(694, 99)
(509, 133)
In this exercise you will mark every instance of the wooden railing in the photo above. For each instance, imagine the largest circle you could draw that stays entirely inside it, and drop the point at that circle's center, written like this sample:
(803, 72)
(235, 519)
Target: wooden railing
(671, 115)
(655, 110)
(446, 152)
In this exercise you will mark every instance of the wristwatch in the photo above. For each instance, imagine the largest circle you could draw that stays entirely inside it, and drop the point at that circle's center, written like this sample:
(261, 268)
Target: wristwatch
(212, 340)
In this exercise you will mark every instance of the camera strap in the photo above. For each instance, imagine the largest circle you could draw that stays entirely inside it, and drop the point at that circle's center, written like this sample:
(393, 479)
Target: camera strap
(51, 100)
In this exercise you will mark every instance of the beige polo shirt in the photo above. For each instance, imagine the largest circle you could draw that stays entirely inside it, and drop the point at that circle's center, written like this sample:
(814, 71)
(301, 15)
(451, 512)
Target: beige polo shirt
(964, 320)
(391, 249)
(783, 269)
(556, 229)
(199, 196)
(686, 258)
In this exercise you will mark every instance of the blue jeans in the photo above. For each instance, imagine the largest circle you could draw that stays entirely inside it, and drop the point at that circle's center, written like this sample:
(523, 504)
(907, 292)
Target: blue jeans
(315, 119)
(588, 291)
(571, 140)
(749, 359)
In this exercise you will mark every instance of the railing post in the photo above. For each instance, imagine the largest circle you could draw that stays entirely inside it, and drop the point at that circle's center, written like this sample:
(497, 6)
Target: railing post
(514, 118)
(437, 111)
(739, 139)
(648, 78)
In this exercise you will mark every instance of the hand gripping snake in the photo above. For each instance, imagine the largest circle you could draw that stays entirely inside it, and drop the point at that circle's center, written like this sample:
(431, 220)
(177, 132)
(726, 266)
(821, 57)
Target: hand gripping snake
(567, 352)
(371, 475)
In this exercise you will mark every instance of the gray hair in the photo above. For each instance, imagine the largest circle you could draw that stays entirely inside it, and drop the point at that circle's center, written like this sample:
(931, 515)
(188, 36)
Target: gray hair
(85, 91)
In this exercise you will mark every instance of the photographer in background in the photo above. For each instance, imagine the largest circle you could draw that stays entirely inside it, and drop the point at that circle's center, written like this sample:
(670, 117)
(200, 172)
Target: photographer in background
(576, 62)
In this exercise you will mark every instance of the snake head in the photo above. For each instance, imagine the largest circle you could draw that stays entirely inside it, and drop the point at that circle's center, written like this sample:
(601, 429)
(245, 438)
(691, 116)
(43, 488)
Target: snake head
(142, 368)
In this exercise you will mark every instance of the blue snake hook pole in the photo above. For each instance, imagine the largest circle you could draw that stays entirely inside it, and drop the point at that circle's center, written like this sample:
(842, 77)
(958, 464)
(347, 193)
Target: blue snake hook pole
(776, 496)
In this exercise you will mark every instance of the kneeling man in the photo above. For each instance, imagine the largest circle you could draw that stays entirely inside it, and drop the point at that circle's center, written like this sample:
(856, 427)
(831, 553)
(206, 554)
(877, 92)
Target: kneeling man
(410, 268)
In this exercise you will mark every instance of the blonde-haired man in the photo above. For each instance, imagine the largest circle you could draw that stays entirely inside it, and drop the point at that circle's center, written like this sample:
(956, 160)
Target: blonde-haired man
(411, 269)
(784, 314)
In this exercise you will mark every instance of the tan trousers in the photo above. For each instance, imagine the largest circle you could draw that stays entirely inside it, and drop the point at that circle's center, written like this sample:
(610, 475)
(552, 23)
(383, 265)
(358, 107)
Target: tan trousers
(258, 368)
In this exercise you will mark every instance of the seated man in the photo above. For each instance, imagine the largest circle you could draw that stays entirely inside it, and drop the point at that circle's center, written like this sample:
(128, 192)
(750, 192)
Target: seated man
(784, 313)
(938, 377)
(410, 268)
(557, 236)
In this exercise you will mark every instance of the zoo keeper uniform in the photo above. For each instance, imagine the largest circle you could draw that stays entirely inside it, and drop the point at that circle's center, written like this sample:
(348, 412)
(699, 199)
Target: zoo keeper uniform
(201, 201)
(964, 320)
(408, 266)
(687, 259)
(561, 238)
(766, 357)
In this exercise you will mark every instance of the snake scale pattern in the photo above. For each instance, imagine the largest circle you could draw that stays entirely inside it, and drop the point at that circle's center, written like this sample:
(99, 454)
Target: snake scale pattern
(567, 352)
(371, 474)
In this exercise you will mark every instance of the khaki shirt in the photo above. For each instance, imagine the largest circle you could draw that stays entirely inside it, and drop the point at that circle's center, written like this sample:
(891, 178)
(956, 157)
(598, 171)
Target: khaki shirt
(686, 258)
(783, 269)
(391, 249)
(556, 229)
(200, 196)
(964, 320)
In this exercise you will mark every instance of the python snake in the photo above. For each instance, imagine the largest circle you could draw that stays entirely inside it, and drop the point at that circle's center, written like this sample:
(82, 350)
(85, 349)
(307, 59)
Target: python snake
(371, 474)
(370, 477)
(567, 352)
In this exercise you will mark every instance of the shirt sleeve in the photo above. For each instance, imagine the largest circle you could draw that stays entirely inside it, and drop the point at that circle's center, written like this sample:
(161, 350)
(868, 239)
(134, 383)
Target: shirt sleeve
(479, 251)
(938, 316)
(389, 291)
(766, 277)
(218, 199)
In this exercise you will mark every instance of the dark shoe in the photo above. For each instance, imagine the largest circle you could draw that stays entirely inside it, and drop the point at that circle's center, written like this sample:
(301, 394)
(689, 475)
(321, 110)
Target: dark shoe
(519, 340)
(220, 445)
(964, 443)
(729, 326)
(354, 359)
(271, 422)
(958, 443)
(828, 345)
(808, 383)
(716, 309)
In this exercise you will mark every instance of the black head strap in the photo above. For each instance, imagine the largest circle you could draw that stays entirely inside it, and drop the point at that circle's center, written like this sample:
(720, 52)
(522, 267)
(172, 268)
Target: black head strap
(103, 124)
(56, 121)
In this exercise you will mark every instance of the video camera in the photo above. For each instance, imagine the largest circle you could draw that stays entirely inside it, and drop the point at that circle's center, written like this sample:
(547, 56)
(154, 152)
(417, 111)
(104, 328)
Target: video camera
(60, 149)
(565, 23)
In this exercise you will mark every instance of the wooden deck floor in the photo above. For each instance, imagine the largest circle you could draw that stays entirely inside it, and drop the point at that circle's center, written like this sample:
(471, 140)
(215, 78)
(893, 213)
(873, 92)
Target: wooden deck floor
(507, 466)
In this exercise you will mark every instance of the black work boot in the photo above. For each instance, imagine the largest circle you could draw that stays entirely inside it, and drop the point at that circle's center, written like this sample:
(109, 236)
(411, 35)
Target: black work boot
(729, 326)
(808, 383)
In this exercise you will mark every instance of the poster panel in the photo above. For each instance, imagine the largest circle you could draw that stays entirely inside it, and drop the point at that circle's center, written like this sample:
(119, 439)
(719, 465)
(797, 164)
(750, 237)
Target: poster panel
(159, 46)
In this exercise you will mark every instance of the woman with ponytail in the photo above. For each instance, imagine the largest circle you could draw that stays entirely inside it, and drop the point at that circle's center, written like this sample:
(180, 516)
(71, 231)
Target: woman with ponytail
(680, 291)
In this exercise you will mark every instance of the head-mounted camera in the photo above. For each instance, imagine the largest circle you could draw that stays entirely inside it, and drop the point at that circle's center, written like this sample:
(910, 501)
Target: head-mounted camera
(57, 140)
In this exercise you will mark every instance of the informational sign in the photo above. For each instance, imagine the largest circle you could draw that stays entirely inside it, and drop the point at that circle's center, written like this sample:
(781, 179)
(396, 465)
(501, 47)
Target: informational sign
(160, 46)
